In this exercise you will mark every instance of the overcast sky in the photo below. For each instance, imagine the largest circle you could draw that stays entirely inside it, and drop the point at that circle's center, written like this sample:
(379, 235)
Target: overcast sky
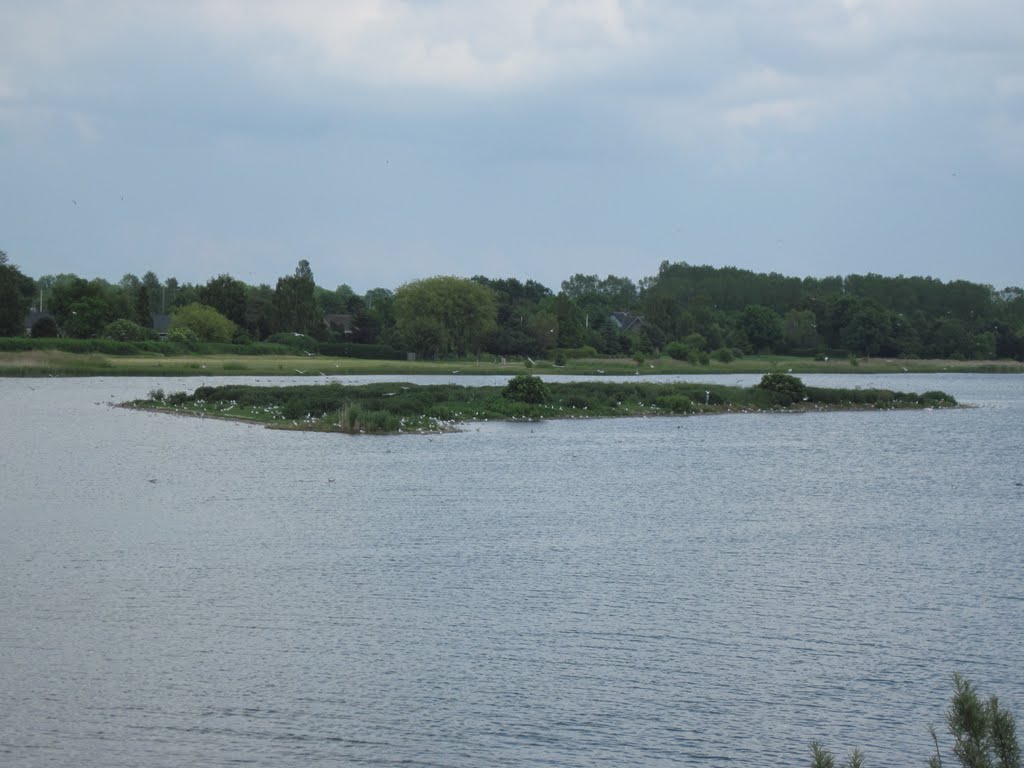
(385, 141)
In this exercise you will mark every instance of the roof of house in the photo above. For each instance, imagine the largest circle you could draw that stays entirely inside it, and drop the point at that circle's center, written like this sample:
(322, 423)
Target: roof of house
(340, 322)
(626, 321)
(161, 322)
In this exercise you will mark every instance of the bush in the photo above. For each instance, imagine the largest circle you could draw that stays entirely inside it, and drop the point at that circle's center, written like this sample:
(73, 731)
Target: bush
(126, 330)
(526, 389)
(724, 355)
(574, 353)
(361, 351)
(677, 350)
(984, 734)
(790, 386)
(205, 322)
(184, 336)
(45, 328)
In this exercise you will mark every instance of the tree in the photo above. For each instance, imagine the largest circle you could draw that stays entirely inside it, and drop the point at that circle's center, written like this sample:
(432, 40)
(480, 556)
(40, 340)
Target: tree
(227, 295)
(984, 734)
(205, 322)
(83, 308)
(869, 329)
(295, 301)
(154, 292)
(763, 327)
(14, 303)
(799, 329)
(45, 328)
(443, 315)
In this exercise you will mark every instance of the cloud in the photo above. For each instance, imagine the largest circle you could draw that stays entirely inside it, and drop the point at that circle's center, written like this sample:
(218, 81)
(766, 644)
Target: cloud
(449, 45)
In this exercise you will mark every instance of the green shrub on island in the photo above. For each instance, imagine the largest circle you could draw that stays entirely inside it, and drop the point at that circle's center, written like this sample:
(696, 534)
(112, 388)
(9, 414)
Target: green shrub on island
(784, 384)
(526, 389)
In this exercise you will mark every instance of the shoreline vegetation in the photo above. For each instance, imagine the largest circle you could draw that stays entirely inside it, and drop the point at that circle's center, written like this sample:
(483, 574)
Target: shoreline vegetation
(397, 408)
(49, 362)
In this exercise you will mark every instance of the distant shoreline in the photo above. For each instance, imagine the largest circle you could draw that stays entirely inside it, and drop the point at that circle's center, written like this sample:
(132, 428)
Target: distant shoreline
(41, 364)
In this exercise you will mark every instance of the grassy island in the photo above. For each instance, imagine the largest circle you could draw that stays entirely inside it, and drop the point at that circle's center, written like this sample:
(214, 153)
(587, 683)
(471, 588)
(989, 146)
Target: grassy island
(391, 408)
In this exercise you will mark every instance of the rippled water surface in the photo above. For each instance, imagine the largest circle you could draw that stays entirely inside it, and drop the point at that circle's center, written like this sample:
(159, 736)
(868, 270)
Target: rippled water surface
(706, 591)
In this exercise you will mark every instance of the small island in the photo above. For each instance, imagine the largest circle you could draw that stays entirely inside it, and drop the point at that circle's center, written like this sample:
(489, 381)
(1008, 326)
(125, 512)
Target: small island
(393, 408)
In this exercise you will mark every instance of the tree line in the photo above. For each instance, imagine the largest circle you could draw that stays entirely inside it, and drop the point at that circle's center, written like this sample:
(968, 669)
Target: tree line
(684, 310)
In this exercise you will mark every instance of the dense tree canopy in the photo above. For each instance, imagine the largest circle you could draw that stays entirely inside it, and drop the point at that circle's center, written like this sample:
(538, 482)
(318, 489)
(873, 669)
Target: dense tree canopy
(442, 315)
(15, 290)
(692, 310)
(295, 301)
(205, 322)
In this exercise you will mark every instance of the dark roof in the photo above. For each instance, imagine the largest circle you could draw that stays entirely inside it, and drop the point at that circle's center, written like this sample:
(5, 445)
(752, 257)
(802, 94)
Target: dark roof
(627, 322)
(340, 322)
(161, 322)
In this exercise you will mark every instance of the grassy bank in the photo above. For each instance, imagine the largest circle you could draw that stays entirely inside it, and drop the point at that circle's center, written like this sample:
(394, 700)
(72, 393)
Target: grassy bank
(394, 408)
(36, 363)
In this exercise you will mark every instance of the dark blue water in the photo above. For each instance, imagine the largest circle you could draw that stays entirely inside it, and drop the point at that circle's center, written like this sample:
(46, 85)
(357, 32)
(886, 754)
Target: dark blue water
(714, 591)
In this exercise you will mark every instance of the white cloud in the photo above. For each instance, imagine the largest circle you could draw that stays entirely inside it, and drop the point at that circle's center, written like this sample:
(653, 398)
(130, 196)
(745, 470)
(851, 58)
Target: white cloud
(457, 44)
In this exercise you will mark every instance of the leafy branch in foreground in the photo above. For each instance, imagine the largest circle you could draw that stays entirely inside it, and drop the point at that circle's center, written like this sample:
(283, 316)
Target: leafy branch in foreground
(984, 734)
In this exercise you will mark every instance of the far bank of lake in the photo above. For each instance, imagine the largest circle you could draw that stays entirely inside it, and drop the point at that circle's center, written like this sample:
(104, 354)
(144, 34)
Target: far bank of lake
(44, 363)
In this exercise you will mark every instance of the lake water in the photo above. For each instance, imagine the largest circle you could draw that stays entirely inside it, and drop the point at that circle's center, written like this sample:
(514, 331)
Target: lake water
(674, 591)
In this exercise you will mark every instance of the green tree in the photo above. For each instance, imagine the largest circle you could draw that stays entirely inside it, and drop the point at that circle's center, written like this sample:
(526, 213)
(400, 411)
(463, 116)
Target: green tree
(800, 329)
(83, 308)
(443, 315)
(15, 289)
(227, 295)
(984, 734)
(763, 327)
(259, 311)
(869, 329)
(295, 301)
(45, 328)
(205, 322)
(154, 292)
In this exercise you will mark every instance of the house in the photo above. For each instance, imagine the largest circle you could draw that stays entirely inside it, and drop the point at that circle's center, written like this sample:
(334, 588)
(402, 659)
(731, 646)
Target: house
(161, 324)
(626, 323)
(340, 323)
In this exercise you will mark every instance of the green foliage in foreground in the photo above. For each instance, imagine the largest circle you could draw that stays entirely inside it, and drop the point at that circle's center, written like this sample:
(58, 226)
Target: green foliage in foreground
(397, 407)
(984, 734)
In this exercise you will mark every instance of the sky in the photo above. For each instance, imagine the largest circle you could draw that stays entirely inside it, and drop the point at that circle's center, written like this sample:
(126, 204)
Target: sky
(387, 141)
